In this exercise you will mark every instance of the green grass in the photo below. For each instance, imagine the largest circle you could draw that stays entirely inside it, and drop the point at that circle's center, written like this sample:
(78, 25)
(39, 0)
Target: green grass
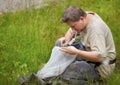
(27, 37)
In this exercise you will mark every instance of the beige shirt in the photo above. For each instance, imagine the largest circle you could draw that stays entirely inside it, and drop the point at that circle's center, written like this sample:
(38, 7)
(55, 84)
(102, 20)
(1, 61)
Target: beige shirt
(97, 37)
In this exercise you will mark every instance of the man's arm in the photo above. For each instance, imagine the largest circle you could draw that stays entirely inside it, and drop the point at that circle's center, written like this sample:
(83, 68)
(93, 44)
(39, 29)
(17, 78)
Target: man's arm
(68, 36)
(90, 56)
(87, 55)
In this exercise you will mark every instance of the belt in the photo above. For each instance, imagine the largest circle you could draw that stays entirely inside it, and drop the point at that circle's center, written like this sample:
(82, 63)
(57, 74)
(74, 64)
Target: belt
(112, 61)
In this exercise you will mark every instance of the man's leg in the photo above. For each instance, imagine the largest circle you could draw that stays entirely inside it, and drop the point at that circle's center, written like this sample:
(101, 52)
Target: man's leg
(80, 73)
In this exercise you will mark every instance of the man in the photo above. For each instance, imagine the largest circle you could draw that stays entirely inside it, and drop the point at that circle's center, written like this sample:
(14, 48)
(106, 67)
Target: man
(96, 36)
(96, 56)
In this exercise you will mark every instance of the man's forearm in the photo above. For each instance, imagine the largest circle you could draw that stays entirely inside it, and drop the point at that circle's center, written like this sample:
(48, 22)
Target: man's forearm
(90, 56)
(69, 35)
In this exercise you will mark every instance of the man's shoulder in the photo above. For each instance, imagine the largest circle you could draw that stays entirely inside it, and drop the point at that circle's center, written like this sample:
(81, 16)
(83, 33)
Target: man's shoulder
(90, 12)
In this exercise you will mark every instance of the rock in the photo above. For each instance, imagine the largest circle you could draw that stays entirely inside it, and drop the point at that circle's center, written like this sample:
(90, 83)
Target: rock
(13, 5)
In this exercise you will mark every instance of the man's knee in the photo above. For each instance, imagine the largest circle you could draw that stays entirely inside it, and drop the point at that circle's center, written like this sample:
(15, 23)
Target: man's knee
(74, 69)
(80, 70)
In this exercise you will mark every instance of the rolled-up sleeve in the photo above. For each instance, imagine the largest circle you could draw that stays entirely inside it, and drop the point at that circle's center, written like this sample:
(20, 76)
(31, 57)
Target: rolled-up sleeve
(97, 44)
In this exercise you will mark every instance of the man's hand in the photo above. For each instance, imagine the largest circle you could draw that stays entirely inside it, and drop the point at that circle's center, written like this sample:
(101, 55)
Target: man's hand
(63, 41)
(69, 49)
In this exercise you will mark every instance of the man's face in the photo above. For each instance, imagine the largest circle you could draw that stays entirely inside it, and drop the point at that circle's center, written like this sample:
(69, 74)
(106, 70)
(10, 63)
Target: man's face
(77, 26)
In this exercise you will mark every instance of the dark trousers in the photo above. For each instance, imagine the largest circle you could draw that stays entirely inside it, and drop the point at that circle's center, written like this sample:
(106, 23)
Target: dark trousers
(81, 72)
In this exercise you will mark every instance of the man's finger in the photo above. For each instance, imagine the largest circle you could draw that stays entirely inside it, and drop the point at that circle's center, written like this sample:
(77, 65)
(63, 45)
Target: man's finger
(64, 49)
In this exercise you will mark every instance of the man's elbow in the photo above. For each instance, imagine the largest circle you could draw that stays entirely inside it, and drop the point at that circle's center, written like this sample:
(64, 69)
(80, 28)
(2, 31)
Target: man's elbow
(101, 59)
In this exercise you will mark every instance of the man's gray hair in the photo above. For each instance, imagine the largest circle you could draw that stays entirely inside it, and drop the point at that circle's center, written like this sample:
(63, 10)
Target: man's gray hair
(73, 13)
